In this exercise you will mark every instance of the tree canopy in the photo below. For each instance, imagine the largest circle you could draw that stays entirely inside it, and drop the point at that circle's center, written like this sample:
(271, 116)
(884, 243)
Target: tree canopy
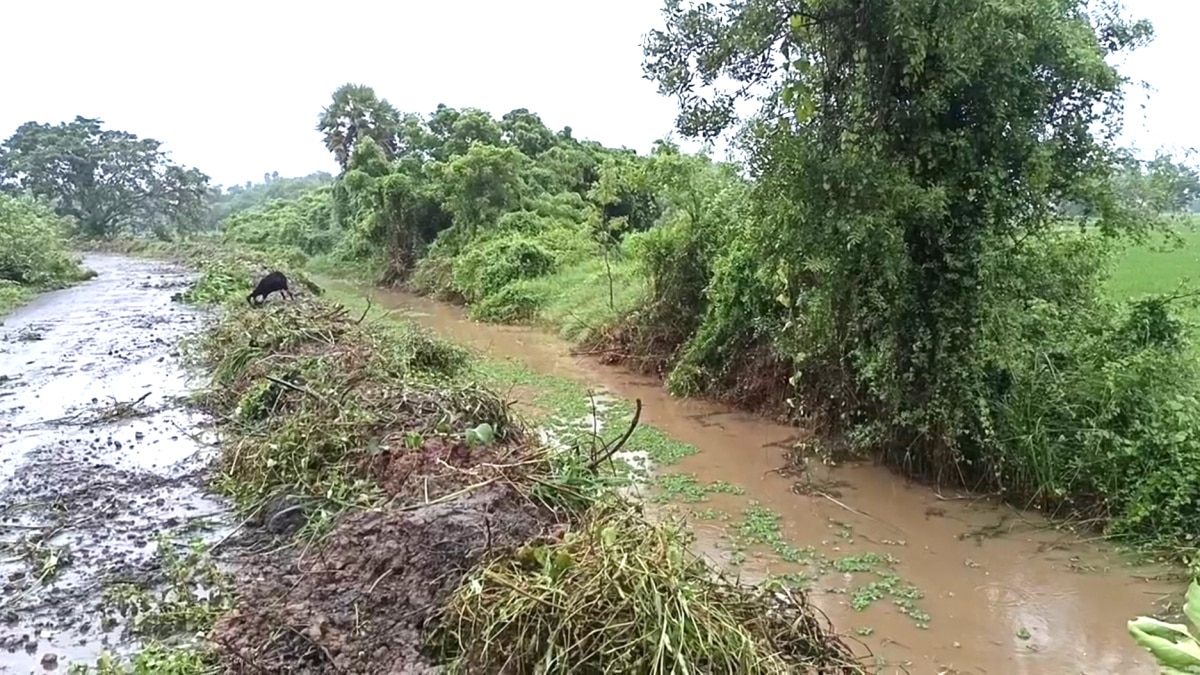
(109, 181)
(356, 113)
(908, 155)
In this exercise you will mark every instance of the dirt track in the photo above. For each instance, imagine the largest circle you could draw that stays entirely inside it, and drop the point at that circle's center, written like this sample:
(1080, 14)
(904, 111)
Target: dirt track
(86, 479)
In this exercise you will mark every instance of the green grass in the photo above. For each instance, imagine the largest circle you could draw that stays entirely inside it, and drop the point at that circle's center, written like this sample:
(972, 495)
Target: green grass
(13, 296)
(576, 298)
(1157, 266)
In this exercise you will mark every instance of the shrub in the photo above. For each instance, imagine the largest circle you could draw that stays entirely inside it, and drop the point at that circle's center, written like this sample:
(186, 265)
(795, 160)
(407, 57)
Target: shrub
(517, 303)
(302, 223)
(489, 266)
(33, 248)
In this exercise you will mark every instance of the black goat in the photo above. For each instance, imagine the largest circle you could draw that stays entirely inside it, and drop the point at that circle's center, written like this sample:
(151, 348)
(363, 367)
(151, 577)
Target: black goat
(275, 281)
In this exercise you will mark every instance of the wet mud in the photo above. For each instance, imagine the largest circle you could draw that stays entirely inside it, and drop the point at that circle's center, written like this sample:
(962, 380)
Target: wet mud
(928, 580)
(98, 454)
(361, 603)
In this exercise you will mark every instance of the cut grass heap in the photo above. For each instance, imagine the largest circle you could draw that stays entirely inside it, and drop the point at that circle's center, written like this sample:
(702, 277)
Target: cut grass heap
(618, 595)
(441, 533)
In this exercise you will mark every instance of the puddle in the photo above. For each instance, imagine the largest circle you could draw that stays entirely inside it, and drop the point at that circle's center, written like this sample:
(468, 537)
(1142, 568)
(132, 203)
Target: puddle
(96, 455)
(930, 582)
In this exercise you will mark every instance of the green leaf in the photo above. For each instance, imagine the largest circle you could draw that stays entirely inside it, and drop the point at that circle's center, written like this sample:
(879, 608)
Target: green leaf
(483, 434)
(1191, 605)
(1171, 644)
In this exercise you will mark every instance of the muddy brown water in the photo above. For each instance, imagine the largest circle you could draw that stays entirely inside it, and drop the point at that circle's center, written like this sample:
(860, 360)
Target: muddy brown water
(84, 485)
(1002, 590)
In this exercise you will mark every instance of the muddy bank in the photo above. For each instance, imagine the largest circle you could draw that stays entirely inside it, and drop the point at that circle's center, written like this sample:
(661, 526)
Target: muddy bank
(428, 516)
(97, 455)
(933, 581)
(361, 603)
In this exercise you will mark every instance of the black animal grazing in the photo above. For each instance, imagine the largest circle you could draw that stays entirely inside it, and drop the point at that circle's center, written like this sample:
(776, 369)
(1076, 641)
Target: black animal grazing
(275, 281)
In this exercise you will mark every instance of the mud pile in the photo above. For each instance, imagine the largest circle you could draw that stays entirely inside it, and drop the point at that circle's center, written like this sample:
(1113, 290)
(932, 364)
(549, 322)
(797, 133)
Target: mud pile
(360, 604)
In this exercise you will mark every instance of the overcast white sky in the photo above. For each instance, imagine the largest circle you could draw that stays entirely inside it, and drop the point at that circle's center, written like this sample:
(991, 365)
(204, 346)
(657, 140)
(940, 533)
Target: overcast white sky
(235, 88)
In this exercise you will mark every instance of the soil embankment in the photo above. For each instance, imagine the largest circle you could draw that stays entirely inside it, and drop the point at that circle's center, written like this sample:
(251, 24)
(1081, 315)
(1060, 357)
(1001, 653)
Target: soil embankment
(424, 526)
(97, 455)
(965, 586)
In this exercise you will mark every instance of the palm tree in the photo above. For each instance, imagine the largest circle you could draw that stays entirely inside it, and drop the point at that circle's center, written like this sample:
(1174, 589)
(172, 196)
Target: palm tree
(357, 112)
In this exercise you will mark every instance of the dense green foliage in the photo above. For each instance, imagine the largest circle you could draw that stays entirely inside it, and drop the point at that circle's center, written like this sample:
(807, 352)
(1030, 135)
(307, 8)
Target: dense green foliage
(302, 223)
(33, 250)
(227, 201)
(906, 262)
(916, 259)
(111, 182)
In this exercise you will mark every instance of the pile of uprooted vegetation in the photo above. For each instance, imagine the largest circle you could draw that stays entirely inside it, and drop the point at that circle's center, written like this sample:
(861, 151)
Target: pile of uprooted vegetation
(429, 530)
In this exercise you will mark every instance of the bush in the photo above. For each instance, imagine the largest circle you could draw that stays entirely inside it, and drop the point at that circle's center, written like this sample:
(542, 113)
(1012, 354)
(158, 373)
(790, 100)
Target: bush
(516, 303)
(302, 223)
(33, 245)
(486, 268)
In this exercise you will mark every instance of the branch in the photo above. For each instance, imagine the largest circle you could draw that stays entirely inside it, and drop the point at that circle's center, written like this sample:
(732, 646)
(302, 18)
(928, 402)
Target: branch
(609, 452)
(365, 310)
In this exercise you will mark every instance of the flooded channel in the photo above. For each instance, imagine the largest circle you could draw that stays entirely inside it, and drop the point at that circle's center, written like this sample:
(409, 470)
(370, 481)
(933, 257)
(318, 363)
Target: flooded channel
(970, 587)
(97, 455)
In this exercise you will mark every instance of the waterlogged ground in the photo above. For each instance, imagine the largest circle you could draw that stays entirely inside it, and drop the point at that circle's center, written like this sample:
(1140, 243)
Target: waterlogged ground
(97, 456)
(928, 581)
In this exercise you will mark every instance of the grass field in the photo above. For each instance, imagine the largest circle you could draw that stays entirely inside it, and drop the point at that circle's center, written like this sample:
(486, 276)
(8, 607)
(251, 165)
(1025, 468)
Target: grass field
(1160, 266)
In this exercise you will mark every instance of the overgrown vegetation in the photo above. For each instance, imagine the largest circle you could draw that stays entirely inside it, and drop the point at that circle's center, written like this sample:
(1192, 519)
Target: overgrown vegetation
(916, 261)
(33, 251)
(417, 489)
(907, 266)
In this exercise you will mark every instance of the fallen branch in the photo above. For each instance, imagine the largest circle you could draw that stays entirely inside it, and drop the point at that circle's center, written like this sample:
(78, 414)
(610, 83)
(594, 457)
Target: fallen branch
(295, 387)
(114, 411)
(365, 310)
(610, 451)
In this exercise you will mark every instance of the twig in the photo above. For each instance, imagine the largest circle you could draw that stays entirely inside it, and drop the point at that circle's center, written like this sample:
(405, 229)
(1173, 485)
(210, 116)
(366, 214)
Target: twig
(856, 511)
(595, 419)
(445, 498)
(365, 310)
(295, 387)
(609, 452)
(81, 413)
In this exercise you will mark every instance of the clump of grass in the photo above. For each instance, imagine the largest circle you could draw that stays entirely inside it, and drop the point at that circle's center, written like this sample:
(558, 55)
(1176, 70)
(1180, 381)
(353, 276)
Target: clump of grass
(619, 595)
(153, 659)
(190, 595)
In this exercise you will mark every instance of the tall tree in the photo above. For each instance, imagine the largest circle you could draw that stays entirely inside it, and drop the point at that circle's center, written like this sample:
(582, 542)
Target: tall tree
(356, 112)
(905, 148)
(109, 181)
